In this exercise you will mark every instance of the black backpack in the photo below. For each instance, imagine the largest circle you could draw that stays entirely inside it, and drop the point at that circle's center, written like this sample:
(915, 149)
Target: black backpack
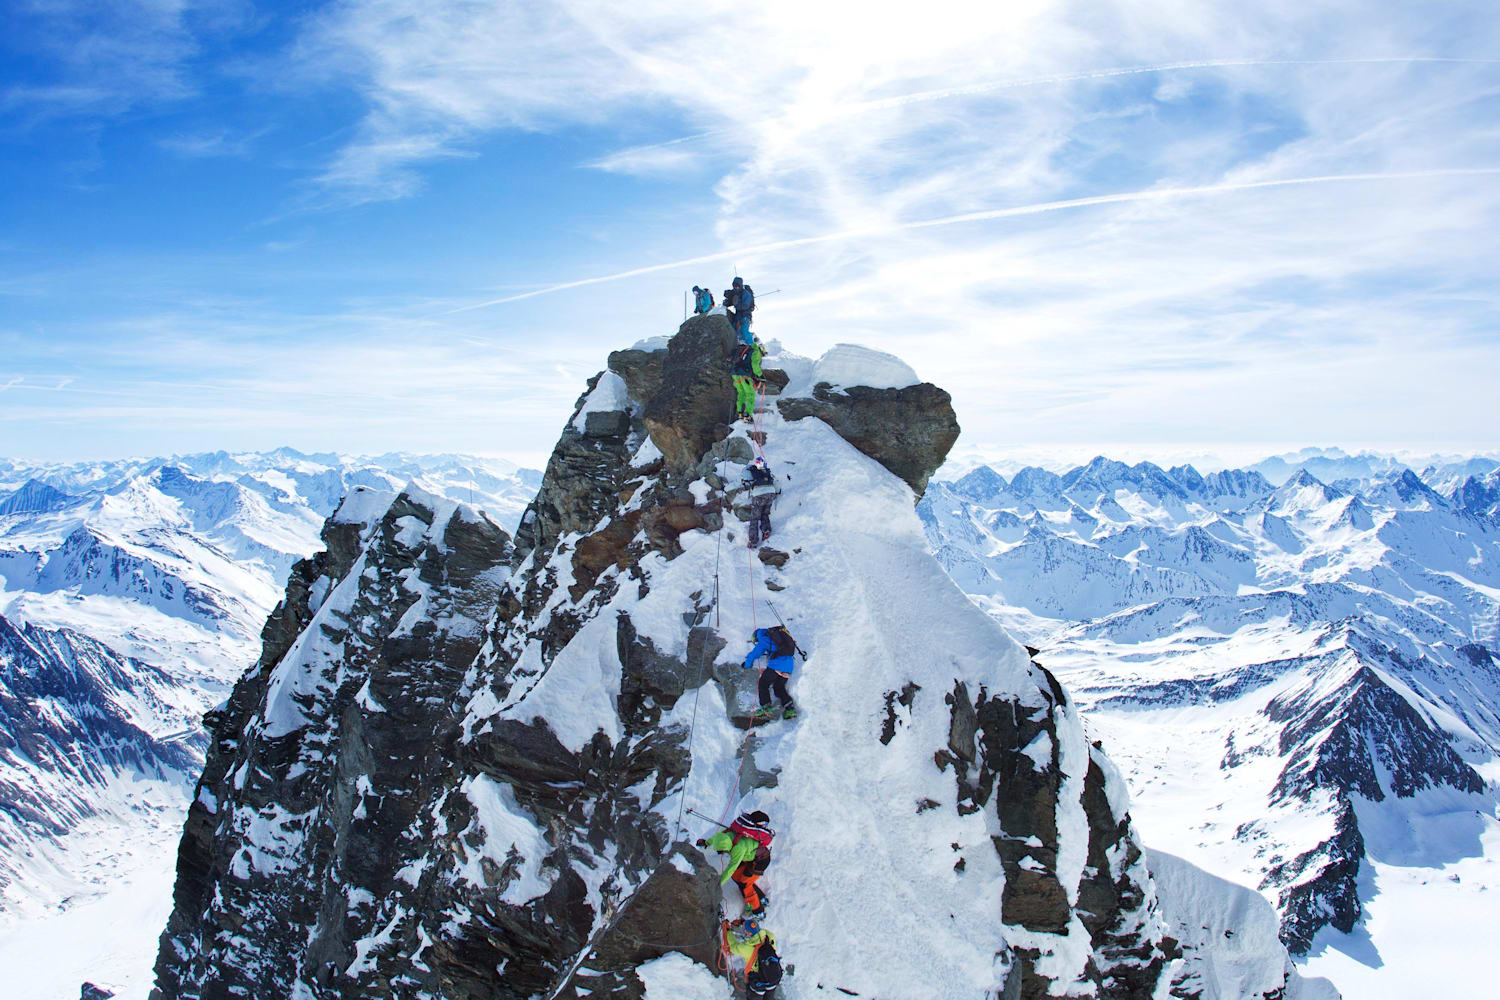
(761, 476)
(767, 974)
(782, 643)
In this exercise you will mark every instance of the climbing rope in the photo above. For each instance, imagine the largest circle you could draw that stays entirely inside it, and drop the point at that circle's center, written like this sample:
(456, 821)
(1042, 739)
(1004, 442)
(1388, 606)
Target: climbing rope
(702, 655)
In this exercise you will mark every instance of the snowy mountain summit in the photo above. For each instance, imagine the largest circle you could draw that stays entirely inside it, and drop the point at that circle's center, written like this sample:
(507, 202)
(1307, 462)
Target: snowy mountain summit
(474, 765)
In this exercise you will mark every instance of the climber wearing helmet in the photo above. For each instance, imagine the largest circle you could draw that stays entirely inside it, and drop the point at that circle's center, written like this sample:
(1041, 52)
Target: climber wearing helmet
(748, 940)
(763, 492)
(747, 841)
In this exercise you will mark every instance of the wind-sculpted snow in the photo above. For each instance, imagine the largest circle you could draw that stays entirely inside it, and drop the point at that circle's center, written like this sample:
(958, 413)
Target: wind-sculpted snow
(1318, 657)
(399, 802)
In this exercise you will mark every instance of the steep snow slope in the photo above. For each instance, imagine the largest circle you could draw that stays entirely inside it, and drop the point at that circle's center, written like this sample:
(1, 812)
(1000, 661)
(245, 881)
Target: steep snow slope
(945, 827)
(1319, 657)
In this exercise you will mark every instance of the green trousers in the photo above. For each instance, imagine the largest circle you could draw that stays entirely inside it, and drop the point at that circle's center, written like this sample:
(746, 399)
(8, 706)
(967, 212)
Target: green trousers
(744, 396)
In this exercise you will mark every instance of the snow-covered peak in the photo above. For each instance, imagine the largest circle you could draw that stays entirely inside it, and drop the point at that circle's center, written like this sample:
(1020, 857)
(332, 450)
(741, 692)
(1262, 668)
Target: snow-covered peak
(34, 497)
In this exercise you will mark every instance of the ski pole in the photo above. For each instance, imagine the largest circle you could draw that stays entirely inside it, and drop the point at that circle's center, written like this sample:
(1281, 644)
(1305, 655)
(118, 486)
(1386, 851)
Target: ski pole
(715, 822)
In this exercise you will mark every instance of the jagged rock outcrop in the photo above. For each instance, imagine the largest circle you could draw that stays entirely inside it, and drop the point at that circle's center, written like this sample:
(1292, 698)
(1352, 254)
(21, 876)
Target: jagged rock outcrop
(909, 430)
(325, 759)
(464, 769)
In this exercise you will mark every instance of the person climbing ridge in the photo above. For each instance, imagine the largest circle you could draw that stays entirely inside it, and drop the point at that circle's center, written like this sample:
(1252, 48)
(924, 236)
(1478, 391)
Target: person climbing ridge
(761, 981)
(778, 647)
(747, 939)
(703, 301)
(741, 299)
(746, 373)
(747, 841)
(763, 492)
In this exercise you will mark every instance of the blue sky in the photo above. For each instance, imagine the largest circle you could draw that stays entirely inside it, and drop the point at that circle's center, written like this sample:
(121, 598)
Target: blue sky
(1156, 227)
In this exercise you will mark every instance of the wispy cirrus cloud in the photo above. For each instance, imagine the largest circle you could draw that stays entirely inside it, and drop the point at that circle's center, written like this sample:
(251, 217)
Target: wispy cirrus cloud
(99, 59)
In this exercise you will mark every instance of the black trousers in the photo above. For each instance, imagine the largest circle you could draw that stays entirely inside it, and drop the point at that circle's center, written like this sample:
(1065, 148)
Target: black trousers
(770, 681)
(760, 519)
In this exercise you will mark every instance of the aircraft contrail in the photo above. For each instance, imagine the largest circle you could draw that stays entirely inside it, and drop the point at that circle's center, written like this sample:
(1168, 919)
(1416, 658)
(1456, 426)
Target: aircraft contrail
(1039, 81)
(1150, 194)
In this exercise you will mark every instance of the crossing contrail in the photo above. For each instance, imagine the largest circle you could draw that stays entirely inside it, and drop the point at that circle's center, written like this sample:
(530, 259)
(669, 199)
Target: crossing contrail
(1150, 194)
(944, 93)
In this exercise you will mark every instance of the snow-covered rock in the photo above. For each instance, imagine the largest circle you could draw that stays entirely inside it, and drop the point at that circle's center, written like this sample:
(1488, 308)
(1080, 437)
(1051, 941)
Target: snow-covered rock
(400, 800)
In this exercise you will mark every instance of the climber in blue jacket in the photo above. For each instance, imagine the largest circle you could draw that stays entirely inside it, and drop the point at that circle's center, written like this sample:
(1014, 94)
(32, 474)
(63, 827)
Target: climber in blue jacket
(779, 648)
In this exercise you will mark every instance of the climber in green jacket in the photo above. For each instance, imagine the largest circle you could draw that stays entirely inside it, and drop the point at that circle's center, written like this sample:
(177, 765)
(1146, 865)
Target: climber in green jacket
(747, 375)
(746, 939)
(747, 841)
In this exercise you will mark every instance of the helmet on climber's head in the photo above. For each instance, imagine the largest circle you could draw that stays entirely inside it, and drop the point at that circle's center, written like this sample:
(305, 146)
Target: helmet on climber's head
(751, 925)
(757, 816)
(738, 281)
(759, 462)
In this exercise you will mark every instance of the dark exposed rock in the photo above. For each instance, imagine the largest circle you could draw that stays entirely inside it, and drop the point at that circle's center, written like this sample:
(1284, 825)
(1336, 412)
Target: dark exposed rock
(92, 992)
(382, 703)
(688, 396)
(582, 482)
(1320, 887)
(772, 557)
(1360, 737)
(909, 431)
(606, 424)
(1004, 755)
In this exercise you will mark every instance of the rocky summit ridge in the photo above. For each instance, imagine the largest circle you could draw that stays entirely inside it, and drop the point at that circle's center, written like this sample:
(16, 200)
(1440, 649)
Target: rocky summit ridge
(469, 765)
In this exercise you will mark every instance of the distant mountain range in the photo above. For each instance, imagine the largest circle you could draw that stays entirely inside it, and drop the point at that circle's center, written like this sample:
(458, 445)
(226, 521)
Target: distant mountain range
(1298, 676)
(132, 595)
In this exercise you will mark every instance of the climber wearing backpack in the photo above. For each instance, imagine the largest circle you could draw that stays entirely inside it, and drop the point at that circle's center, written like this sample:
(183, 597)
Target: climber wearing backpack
(762, 980)
(747, 939)
(763, 491)
(741, 299)
(747, 841)
(777, 646)
(703, 301)
(746, 374)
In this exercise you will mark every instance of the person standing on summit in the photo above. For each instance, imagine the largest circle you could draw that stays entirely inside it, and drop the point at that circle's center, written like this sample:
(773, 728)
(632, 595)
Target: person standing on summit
(741, 299)
(703, 301)
(779, 648)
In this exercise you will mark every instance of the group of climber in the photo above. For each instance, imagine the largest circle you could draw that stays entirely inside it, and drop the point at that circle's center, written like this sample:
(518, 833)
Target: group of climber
(747, 841)
(739, 303)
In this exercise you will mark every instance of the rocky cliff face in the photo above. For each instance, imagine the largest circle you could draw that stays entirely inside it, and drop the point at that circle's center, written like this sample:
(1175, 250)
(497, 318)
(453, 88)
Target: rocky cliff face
(469, 768)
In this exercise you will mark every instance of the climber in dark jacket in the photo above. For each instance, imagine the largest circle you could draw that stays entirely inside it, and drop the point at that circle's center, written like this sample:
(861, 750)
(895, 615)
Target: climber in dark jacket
(778, 647)
(742, 300)
(703, 300)
(762, 486)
